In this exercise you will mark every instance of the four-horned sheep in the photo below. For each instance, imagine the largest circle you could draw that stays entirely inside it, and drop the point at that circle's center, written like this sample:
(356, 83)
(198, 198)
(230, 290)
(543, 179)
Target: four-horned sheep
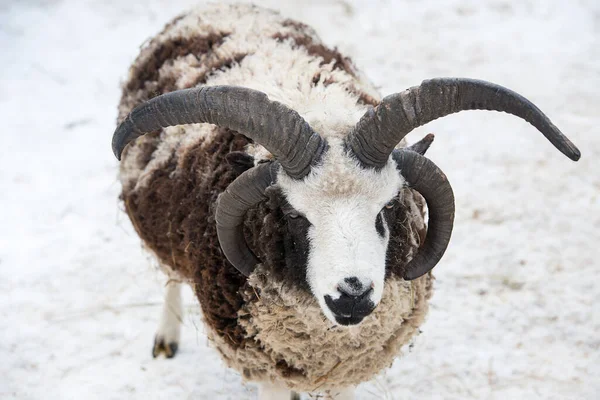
(261, 168)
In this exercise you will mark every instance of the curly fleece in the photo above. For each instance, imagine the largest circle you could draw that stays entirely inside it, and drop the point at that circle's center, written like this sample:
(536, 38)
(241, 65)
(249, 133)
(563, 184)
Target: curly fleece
(295, 344)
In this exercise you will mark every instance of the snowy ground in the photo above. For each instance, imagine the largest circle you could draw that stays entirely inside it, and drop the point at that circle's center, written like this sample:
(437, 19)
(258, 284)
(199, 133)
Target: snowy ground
(515, 312)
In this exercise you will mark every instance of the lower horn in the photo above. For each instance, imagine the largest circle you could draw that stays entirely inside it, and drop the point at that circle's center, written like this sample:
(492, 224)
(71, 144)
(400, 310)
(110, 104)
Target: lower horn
(422, 175)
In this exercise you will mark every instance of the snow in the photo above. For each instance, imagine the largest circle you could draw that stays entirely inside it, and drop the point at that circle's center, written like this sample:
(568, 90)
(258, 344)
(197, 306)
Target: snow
(513, 315)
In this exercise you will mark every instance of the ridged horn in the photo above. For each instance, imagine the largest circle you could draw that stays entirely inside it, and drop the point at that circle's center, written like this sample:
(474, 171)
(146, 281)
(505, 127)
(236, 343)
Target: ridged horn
(381, 129)
(281, 130)
(422, 175)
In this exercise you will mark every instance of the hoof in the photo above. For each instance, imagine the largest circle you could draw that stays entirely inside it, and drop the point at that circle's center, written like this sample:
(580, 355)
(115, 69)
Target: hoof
(161, 346)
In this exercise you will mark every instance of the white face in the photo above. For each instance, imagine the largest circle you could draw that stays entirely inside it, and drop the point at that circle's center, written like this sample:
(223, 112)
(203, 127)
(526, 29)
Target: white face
(346, 263)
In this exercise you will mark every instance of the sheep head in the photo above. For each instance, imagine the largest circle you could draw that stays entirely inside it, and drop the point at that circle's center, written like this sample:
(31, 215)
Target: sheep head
(337, 193)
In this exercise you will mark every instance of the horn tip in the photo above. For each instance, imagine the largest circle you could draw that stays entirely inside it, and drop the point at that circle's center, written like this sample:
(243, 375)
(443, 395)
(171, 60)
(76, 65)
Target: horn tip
(116, 143)
(413, 274)
(117, 150)
(570, 150)
(117, 153)
(574, 154)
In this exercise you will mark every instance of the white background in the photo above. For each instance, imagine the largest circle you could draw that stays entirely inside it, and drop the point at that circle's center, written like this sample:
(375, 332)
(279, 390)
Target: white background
(515, 312)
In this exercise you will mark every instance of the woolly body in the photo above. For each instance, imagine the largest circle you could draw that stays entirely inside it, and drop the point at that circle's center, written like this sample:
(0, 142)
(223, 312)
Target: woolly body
(270, 326)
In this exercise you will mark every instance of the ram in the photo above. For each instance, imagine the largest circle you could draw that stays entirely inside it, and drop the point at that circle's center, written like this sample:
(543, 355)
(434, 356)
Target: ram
(262, 168)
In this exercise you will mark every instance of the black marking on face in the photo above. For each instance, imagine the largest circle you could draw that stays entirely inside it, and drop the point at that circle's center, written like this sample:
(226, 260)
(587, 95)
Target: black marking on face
(379, 225)
(296, 243)
(278, 235)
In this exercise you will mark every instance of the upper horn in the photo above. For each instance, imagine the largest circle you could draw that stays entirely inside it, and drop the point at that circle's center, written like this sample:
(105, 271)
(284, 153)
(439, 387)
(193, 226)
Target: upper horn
(382, 128)
(281, 130)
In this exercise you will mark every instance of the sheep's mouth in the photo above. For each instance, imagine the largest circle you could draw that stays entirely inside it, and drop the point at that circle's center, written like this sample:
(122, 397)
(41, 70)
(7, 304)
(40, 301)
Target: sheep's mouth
(347, 321)
(349, 310)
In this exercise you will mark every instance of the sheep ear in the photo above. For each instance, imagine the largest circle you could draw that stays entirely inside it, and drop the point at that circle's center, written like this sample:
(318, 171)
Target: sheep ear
(240, 161)
(422, 145)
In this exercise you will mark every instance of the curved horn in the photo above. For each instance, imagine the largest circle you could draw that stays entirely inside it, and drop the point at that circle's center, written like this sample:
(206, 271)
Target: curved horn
(281, 130)
(381, 129)
(426, 178)
(242, 194)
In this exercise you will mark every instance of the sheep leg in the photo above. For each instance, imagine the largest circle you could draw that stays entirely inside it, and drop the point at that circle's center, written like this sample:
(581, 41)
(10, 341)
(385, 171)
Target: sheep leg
(169, 328)
(269, 391)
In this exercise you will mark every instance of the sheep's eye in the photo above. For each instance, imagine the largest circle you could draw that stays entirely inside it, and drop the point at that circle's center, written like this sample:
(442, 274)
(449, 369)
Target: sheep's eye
(379, 225)
(292, 214)
(390, 204)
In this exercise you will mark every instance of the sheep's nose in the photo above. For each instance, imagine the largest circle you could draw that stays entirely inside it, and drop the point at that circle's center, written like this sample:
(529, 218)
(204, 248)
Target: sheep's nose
(354, 302)
(355, 288)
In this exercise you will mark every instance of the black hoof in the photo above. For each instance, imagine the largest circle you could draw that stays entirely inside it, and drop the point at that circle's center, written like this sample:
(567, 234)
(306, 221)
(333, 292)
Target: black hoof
(170, 349)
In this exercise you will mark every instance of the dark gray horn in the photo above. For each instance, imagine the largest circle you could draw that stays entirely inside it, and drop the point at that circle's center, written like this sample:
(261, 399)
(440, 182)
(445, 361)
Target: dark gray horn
(242, 194)
(381, 129)
(281, 130)
(422, 145)
(422, 175)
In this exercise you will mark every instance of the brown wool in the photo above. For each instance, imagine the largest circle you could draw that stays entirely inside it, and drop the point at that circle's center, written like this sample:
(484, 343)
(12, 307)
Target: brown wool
(145, 81)
(174, 216)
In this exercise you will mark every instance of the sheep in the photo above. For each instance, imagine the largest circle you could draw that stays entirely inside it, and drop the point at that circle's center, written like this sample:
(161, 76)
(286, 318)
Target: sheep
(264, 170)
